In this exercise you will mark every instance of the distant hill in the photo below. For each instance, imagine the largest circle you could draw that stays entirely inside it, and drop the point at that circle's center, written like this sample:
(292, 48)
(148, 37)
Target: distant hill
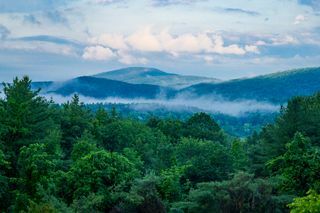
(144, 75)
(102, 88)
(276, 88)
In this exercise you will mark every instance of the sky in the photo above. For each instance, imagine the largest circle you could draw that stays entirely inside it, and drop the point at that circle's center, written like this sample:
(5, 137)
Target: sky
(61, 39)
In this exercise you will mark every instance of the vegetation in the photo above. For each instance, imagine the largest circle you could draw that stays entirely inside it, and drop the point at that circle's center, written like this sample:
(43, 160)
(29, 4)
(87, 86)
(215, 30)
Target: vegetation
(69, 158)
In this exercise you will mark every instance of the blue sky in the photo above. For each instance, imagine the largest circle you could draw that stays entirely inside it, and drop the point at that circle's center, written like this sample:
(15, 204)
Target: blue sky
(60, 39)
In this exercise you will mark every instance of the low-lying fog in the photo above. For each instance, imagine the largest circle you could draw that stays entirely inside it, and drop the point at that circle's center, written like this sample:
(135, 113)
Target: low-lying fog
(205, 103)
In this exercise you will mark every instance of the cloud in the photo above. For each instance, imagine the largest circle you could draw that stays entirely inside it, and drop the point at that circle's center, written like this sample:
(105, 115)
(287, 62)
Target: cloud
(31, 19)
(144, 40)
(208, 59)
(147, 41)
(284, 40)
(38, 46)
(107, 1)
(252, 49)
(314, 4)
(241, 11)
(57, 17)
(163, 3)
(211, 104)
(22, 6)
(115, 41)
(4, 32)
(98, 53)
(299, 19)
(128, 59)
(50, 39)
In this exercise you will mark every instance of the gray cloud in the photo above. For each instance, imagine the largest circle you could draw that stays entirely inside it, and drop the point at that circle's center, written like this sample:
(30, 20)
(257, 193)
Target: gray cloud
(57, 17)
(241, 11)
(4, 32)
(162, 3)
(51, 39)
(32, 19)
(315, 4)
(13, 6)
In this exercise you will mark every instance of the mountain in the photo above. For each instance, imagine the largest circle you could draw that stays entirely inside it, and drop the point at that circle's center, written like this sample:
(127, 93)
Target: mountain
(144, 75)
(102, 88)
(276, 88)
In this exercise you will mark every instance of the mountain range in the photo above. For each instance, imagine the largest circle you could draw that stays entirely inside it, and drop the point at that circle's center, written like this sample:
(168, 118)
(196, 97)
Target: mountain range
(145, 75)
(150, 83)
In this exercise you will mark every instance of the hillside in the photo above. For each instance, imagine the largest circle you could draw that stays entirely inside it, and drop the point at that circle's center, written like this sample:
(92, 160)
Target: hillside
(276, 88)
(143, 75)
(103, 88)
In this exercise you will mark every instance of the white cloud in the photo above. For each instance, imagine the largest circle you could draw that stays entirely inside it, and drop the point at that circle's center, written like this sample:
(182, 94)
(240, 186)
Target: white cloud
(252, 48)
(126, 58)
(299, 19)
(144, 40)
(39, 46)
(115, 41)
(288, 39)
(260, 43)
(208, 59)
(147, 41)
(98, 53)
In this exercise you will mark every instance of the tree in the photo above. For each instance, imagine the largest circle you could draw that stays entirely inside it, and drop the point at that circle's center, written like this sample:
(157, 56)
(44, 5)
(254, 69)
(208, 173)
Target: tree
(206, 161)
(75, 120)
(144, 196)
(36, 174)
(4, 181)
(308, 204)
(101, 174)
(151, 144)
(26, 115)
(202, 126)
(243, 193)
(239, 155)
(299, 166)
(83, 147)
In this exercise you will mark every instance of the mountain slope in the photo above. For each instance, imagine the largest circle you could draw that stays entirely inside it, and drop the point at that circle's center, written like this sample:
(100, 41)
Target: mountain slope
(143, 75)
(276, 88)
(102, 88)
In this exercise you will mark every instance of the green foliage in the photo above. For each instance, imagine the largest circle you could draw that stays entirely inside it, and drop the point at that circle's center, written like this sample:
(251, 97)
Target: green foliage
(68, 158)
(83, 147)
(144, 196)
(208, 161)
(299, 166)
(75, 120)
(101, 173)
(239, 155)
(307, 204)
(202, 126)
(36, 168)
(26, 116)
(243, 193)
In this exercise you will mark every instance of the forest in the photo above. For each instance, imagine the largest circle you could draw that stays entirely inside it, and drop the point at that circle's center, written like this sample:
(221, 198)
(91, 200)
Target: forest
(70, 158)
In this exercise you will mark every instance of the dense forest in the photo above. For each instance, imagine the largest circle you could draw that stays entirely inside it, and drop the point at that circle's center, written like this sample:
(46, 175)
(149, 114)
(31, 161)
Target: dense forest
(70, 158)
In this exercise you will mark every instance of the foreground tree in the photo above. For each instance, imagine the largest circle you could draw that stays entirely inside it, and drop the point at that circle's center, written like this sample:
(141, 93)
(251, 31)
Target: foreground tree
(307, 204)
(299, 166)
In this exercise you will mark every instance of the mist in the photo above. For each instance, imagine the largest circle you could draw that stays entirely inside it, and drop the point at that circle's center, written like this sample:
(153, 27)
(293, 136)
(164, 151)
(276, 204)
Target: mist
(210, 104)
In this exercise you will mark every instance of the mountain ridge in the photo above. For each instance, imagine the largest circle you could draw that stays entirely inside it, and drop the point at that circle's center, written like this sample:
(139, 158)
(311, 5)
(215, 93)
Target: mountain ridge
(276, 87)
(147, 75)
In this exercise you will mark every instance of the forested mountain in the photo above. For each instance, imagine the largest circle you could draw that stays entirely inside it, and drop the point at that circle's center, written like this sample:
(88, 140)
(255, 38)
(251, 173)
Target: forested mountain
(68, 158)
(144, 75)
(276, 88)
(103, 88)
